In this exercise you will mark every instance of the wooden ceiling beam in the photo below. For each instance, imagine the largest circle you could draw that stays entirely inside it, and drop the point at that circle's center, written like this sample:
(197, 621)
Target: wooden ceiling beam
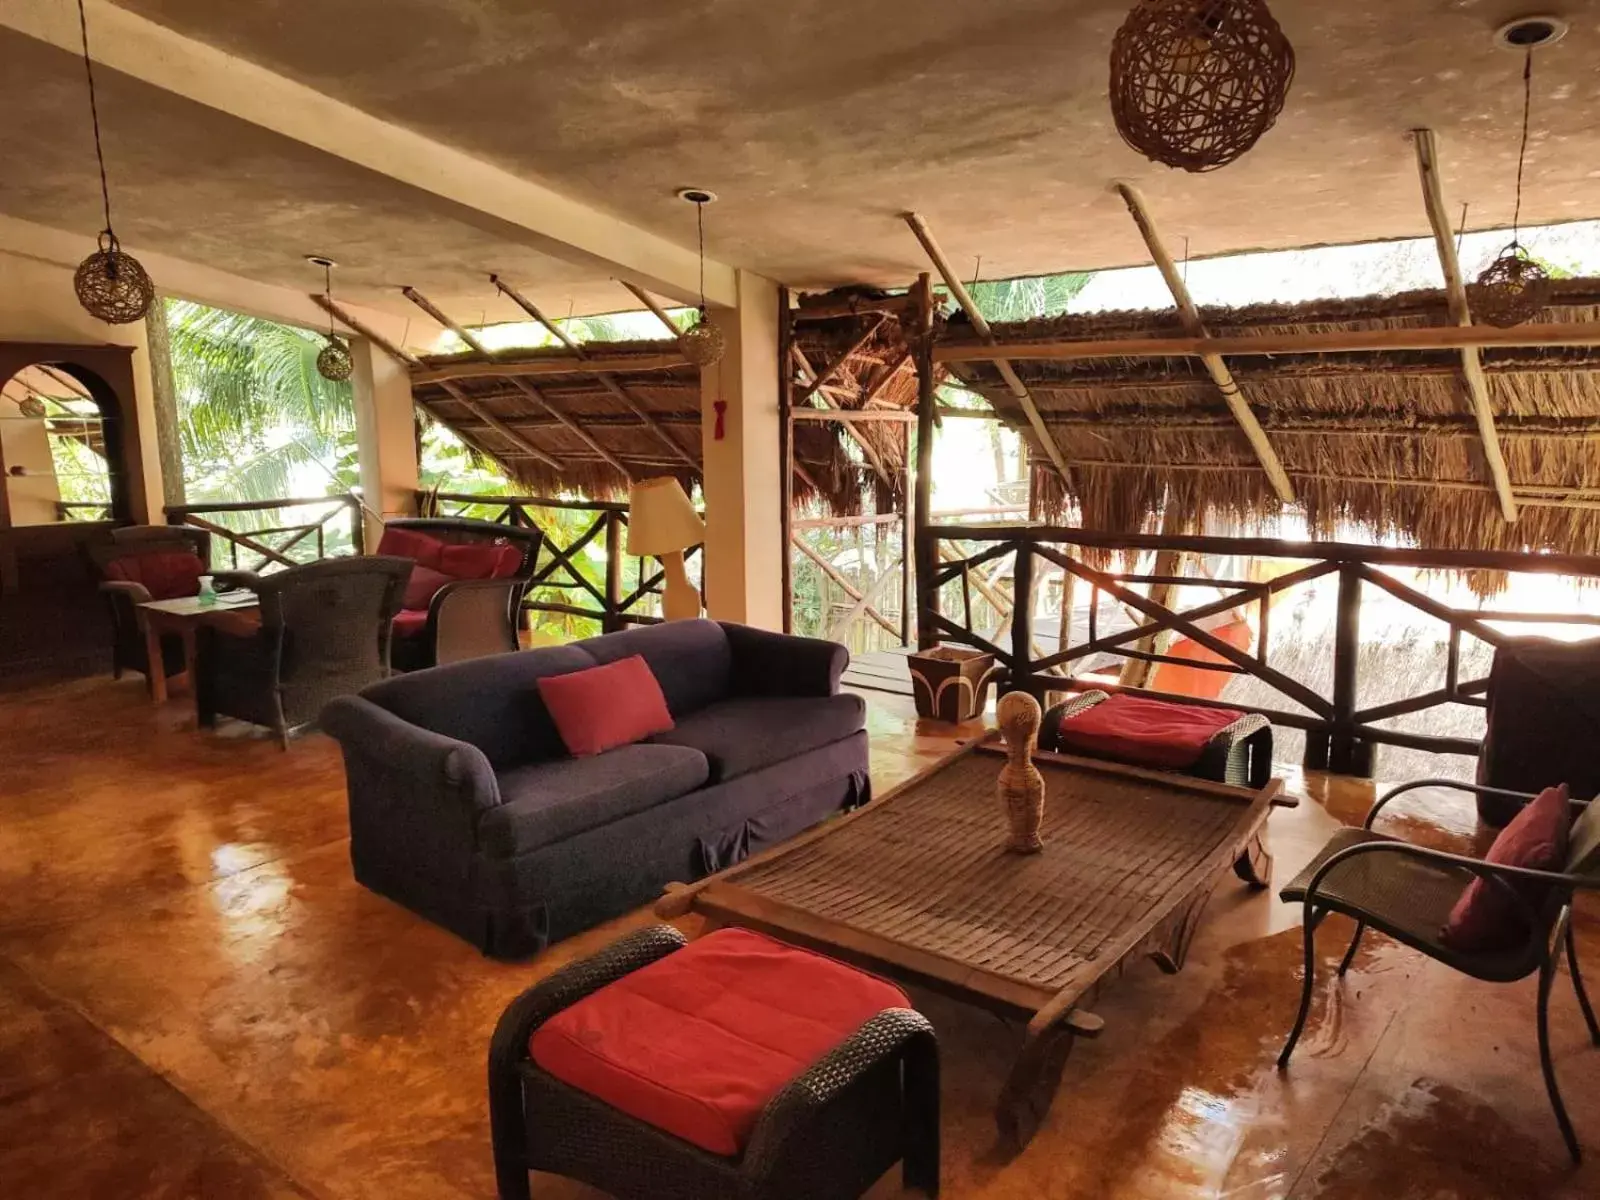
(824, 377)
(1456, 292)
(1340, 341)
(542, 367)
(924, 234)
(868, 450)
(1215, 366)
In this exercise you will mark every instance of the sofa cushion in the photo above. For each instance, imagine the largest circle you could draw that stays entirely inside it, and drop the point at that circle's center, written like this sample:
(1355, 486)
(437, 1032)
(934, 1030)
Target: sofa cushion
(690, 660)
(744, 735)
(548, 802)
(491, 702)
(423, 585)
(697, 1043)
(605, 707)
(165, 574)
(1486, 918)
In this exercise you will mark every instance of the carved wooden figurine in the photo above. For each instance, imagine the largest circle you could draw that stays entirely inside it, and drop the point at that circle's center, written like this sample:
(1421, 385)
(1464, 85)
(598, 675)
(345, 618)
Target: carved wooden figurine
(1021, 787)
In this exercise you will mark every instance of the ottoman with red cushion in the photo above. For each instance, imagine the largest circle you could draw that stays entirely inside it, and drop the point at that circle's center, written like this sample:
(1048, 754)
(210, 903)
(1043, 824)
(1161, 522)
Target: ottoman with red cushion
(732, 1066)
(1223, 744)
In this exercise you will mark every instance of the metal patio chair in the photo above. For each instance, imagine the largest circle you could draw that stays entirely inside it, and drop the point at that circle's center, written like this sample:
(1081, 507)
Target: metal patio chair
(1407, 892)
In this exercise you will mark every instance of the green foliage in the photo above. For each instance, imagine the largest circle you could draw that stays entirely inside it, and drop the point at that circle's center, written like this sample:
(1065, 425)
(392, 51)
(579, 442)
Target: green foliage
(1029, 298)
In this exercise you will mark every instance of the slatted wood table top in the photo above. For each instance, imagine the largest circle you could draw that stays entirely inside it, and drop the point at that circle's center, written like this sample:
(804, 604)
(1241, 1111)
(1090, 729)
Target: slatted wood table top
(920, 882)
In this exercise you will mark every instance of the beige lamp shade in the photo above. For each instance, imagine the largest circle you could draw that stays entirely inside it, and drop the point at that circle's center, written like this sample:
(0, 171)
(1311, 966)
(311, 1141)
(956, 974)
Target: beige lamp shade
(662, 520)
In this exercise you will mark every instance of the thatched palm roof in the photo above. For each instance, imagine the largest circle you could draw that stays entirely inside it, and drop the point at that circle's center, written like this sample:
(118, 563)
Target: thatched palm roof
(1383, 440)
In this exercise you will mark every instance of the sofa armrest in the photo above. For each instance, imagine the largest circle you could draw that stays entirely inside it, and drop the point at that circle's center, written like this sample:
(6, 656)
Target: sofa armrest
(780, 664)
(413, 758)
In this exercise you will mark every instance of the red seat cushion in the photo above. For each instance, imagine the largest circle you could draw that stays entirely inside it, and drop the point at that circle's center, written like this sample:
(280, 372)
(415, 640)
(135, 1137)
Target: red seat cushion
(698, 1042)
(1150, 733)
(165, 574)
(423, 585)
(605, 707)
(410, 622)
(1485, 918)
(408, 543)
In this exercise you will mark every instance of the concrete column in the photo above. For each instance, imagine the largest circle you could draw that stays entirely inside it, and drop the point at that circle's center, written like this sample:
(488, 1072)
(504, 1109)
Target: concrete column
(744, 555)
(385, 436)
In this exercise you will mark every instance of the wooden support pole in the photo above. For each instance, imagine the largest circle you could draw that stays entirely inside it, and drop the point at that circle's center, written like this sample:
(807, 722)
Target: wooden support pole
(927, 560)
(605, 378)
(615, 532)
(1340, 341)
(1456, 291)
(786, 453)
(907, 586)
(1022, 611)
(1215, 366)
(1019, 390)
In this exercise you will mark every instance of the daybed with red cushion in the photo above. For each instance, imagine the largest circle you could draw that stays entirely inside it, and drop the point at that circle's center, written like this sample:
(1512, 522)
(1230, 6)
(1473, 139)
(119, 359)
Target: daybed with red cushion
(1223, 744)
(465, 591)
(734, 1067)
(139, 563)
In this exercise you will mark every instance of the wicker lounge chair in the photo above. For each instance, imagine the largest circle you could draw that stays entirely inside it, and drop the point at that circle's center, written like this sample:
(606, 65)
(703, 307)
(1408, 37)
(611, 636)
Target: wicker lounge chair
(1407, 892)
(1240, 754)
(325, 630)
(116, 560)
(828, 1135)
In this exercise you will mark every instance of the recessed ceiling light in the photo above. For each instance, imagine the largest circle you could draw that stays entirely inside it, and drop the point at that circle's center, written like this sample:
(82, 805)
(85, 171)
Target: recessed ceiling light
(1531, 33)
(321, 260)
(697, 195)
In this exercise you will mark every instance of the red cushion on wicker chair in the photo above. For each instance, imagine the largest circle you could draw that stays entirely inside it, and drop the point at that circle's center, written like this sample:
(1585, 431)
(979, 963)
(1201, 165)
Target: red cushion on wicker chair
(423, 585)
(698, 1042)
(1150, 733)
(408, 543)
(480, 560)
(165, 574)
(1485, 918)
(410, 622)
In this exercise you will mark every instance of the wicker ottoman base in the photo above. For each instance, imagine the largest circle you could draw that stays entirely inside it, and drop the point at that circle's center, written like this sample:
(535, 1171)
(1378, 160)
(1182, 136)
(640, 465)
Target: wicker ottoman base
(829, 1135)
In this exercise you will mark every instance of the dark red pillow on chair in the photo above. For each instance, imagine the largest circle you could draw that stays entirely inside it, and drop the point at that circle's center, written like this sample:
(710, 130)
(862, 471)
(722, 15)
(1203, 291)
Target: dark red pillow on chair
(165, 574)
(424, 584)
(605, 707)
(1486, 918)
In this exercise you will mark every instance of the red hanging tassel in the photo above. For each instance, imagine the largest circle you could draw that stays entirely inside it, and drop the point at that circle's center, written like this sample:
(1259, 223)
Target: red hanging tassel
(721, 431)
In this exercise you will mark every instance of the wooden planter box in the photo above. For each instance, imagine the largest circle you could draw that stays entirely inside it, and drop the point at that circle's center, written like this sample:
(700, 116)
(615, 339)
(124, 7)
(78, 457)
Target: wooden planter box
(949, 682)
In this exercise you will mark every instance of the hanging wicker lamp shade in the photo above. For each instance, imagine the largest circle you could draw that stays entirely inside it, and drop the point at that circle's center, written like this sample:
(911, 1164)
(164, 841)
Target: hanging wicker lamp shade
(1195, 83)
(112, 286)
(334, 363)
(1511, 290)
(32, 407)
(703, 345)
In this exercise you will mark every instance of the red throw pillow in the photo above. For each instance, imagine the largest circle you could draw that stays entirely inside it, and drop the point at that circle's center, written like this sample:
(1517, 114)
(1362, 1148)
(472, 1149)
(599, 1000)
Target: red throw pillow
(605, 707)
(425, 582)
(408, 543)
(480, 560)
(165, 574)
(1485, 918)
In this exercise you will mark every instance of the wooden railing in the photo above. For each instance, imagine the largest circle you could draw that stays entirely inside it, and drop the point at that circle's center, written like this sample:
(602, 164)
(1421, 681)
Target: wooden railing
(1340, 732)
(615, 600)
(289, 543)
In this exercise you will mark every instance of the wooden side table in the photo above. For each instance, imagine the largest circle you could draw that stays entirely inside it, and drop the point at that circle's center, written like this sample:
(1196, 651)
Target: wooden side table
(183, 616)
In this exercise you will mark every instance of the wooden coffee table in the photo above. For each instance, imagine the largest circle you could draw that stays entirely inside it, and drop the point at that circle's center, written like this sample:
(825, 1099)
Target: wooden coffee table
(183, 616)
(919, 884)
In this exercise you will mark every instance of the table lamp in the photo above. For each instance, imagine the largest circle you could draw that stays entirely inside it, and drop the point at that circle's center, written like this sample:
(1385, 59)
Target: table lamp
(662, 522)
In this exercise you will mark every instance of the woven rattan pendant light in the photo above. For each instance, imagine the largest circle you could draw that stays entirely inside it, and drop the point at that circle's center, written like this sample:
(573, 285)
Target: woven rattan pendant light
(1513, 288)
(703, 343)
(334, 363)
(1195, 83)
(111, 284)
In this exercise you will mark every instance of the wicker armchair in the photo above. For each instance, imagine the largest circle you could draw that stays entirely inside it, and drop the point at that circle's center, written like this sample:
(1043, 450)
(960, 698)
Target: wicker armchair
(1241, 754)
(123, 596)
(829, 1135)
(325, 631)
(470, 618)
(1407, 892)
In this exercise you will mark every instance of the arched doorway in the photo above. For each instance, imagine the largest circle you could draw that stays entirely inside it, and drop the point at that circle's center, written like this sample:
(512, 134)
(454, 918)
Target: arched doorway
(69, 468)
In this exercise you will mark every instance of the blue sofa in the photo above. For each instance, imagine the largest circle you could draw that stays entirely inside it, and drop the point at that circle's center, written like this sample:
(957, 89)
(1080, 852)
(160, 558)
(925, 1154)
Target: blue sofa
(466, 808)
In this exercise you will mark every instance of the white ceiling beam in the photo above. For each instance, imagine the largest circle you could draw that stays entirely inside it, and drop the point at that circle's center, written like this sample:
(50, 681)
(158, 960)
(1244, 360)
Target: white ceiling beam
(516, 208)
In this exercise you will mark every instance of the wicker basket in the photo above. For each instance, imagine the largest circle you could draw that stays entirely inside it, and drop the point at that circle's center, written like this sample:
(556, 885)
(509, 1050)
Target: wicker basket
(950, 683)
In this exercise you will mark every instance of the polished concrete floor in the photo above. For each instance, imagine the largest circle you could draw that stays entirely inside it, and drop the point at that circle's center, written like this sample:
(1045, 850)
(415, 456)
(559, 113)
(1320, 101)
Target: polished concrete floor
(197, 1001)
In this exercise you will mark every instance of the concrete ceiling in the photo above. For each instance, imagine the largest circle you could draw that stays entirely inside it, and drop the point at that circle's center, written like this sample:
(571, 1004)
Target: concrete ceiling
(818, 123)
